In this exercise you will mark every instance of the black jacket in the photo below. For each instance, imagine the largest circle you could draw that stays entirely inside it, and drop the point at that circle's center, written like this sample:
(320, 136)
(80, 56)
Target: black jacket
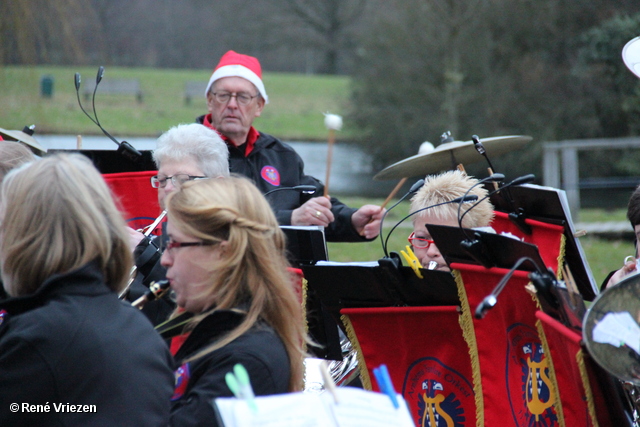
(274, 162)
(260, 351)
(73, 342)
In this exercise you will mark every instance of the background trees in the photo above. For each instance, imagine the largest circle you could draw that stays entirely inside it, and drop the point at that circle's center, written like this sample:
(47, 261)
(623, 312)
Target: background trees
(546, 68)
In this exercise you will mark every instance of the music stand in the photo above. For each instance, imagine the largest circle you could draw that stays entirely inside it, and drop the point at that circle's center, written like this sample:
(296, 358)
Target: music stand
(550, 205)
(305, 244)
(384, 283)
(494, 249)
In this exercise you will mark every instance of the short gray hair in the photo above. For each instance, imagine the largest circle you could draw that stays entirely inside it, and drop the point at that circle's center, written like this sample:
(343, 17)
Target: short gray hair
(197, 142)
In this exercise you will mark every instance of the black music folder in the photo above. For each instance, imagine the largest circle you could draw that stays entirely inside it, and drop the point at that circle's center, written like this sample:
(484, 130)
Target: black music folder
(305, 244)
(468, 246)
(384, 283)
(550, 205)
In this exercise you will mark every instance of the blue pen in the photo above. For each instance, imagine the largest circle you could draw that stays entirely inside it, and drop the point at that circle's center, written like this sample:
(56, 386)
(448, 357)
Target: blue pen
(388, 385)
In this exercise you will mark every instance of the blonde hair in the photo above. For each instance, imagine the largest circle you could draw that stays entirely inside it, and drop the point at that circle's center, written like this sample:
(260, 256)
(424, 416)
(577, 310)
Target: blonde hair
(446, 187)
(253, 267)
(12, 155)
(58, 215)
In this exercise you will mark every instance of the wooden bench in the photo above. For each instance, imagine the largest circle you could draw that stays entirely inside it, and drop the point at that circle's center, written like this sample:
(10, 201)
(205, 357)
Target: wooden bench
(193, 89)
(114, 87)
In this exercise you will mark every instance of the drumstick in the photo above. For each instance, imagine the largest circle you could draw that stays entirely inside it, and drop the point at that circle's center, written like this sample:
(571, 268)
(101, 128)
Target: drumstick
(393, 193)
(332, 140)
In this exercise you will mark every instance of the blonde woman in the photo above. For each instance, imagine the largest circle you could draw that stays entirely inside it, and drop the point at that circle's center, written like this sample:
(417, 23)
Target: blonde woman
(69, 348)
(440, 189)
(225, 261)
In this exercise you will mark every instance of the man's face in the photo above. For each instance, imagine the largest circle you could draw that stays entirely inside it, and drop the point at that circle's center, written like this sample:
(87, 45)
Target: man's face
(230, 118)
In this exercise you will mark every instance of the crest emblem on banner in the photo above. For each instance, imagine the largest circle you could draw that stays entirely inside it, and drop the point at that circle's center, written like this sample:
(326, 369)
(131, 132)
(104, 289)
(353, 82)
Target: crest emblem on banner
(437, 395)
(271, 175)
(529, 385)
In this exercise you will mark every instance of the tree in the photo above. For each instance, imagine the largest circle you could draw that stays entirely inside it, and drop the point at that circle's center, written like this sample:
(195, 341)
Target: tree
(324, 24)
(37, 31)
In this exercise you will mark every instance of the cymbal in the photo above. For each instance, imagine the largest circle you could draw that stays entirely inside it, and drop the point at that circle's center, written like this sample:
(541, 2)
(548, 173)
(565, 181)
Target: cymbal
(17, 135)
(631, 55)
(448, 155)
(620, 361)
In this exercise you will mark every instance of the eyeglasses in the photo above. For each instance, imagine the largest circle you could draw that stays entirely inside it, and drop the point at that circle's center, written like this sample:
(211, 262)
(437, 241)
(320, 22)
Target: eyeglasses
(419, 243)
(173, 244)
(242, 98)
(176, 180)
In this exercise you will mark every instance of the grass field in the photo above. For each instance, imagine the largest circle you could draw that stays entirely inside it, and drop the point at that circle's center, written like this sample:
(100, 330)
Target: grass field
(294, 113)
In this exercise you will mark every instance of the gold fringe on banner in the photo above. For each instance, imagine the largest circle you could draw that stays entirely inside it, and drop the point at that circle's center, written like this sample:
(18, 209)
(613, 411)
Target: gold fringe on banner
(584, 376)
(563, 246)
(552, 373)
(362, 366)
(466, 323)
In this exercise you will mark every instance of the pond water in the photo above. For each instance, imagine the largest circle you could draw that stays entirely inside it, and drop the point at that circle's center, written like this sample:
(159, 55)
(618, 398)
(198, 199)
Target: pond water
(351, 171)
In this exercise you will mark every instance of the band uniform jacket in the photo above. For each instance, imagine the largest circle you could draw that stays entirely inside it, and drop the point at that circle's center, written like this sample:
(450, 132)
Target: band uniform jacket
(273, 164)
(74, 342)
(260, 350)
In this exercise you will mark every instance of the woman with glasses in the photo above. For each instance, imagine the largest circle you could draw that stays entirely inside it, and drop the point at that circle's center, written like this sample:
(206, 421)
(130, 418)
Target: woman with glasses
(184, 153)
(440, 189)
(225, 260)
(71, 353)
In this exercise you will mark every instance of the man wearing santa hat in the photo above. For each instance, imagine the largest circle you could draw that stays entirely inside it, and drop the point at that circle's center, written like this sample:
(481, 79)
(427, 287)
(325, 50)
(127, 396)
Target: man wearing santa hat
(235, 97)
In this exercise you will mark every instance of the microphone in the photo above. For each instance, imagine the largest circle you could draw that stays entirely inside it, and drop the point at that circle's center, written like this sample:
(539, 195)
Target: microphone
(124, 148)
(415, 187)
(542, 280)
(480, 149)
(462, 199)
(310, 189)
(495, 177)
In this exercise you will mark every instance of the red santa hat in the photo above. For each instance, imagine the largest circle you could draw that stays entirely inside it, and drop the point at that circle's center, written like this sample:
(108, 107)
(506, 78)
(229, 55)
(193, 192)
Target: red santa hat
(234, 64)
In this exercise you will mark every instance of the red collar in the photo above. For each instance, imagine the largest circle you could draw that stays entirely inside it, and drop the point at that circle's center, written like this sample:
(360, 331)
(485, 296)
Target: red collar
(252, 136)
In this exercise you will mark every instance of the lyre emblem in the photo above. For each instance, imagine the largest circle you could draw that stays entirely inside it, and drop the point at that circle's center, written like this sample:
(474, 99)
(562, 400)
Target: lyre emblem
(432, 407)
(537, 372)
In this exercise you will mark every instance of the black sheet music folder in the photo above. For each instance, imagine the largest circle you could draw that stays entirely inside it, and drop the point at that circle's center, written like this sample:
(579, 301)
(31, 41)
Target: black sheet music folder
(305, 244)
(501, 251)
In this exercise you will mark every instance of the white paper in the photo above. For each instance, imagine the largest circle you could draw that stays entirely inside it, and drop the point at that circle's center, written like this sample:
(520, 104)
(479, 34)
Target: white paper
(618, 329)
(356, 407)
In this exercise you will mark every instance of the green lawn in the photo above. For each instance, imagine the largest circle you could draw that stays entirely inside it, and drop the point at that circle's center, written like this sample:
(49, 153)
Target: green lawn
(295, 111)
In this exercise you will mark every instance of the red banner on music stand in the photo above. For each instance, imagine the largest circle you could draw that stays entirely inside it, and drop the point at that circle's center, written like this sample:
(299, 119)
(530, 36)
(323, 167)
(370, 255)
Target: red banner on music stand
(514, 377)
(549, 238)
(136, 198)
(426, 355)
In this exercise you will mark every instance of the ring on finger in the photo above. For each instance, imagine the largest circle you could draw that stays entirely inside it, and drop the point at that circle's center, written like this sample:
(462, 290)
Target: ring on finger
(629, 258)
(318, 213)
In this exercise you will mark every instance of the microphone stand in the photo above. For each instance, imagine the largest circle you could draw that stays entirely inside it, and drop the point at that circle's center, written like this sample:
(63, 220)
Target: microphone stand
(124, 148)
(462, 199)
(544, 282)
(474, 246)
(310, 189)
(415, 187)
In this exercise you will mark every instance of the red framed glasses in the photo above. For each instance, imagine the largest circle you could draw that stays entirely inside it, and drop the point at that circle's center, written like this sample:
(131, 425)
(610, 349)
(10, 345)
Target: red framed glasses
(418, 242)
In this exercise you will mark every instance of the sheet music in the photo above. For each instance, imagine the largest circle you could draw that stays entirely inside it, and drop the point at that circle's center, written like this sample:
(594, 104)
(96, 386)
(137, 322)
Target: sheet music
(356, 407)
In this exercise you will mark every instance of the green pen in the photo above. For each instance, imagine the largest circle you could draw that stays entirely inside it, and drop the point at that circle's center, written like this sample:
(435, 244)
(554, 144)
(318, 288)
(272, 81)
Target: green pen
(245, 389)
